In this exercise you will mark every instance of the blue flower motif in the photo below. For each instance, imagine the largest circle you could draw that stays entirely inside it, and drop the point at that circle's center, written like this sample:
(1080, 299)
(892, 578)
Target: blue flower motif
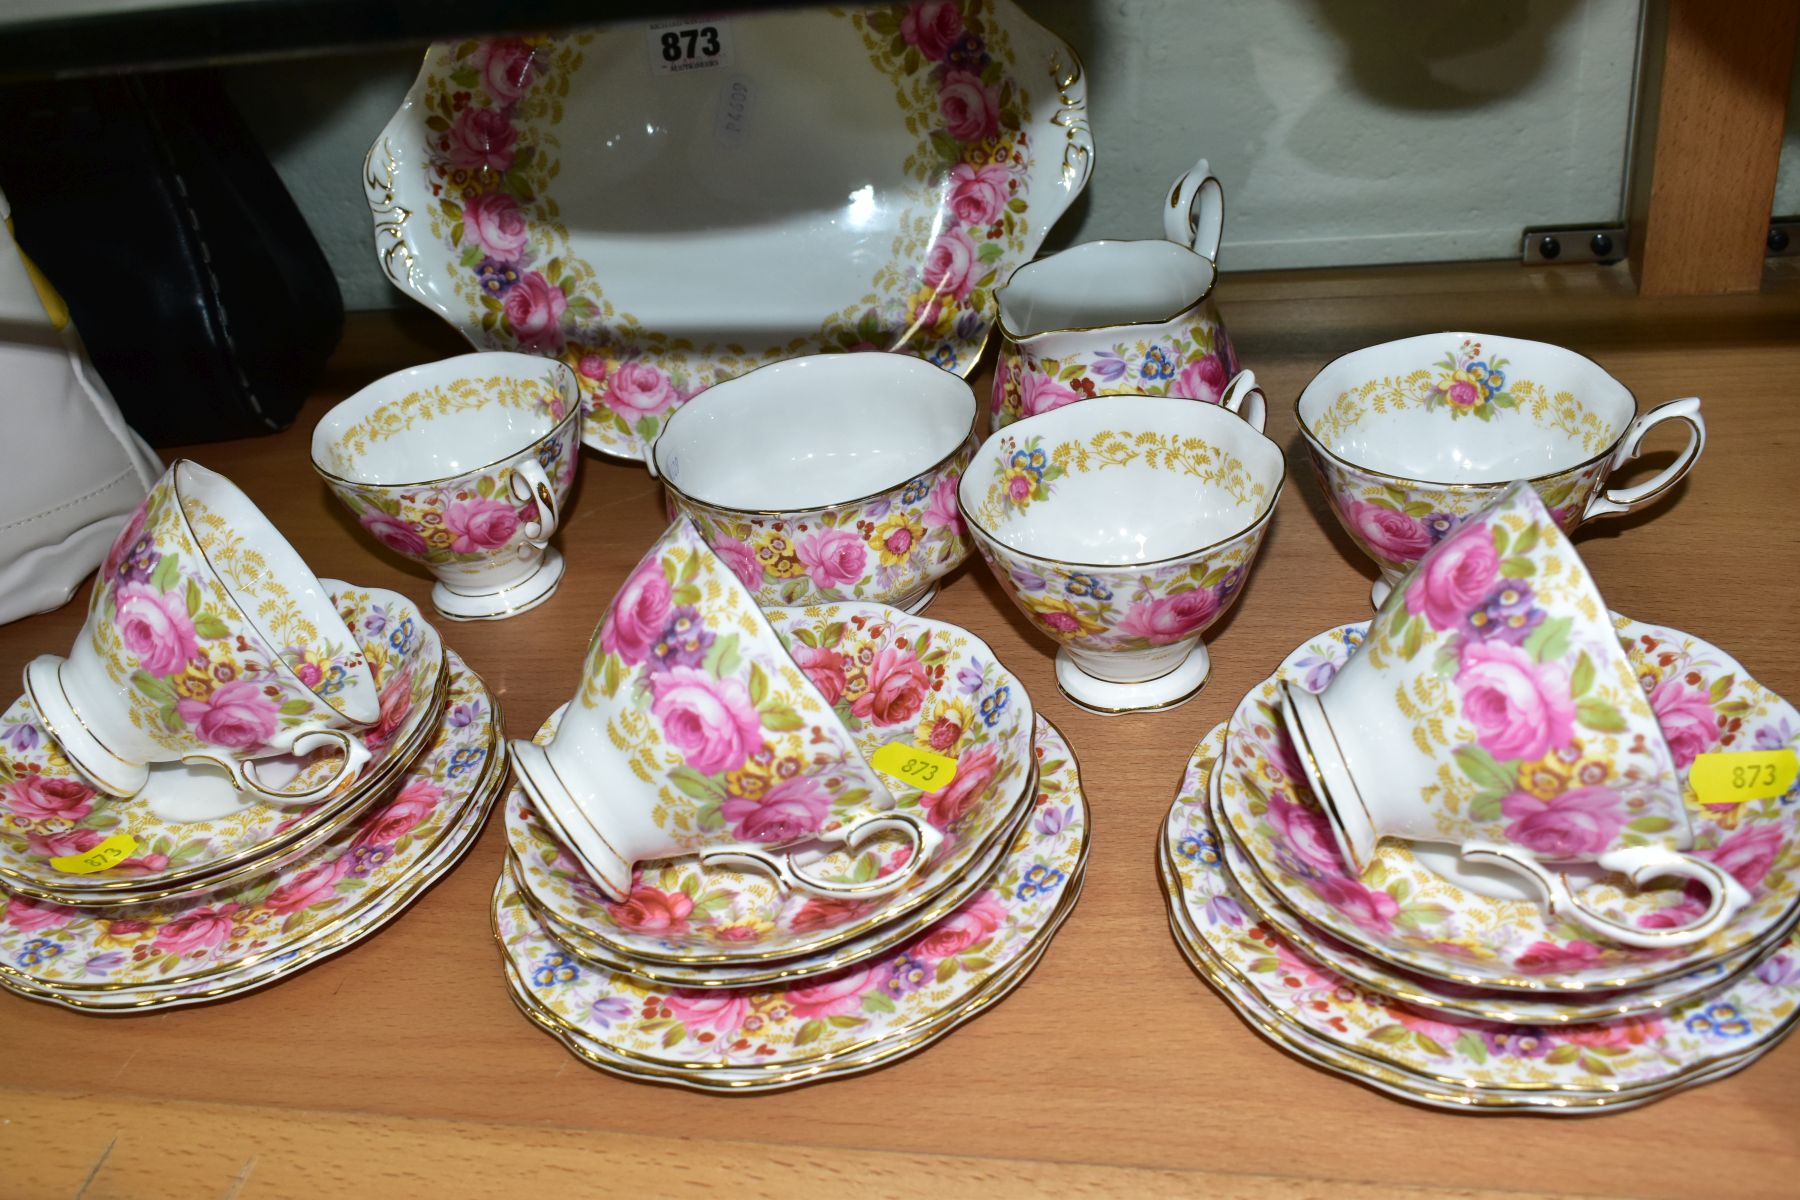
(496, 278)
(1720, 1020)
(909, 974)
(402, 636)
(1039, 881)
(1201, 846)
(334, 681)
(38, 950)
(1088, 585)
(969, 52)
(993, 704)
(944, 356)
(555, 968)
(916, 491)
(549, 452)
(1157, 365)
(466, 760)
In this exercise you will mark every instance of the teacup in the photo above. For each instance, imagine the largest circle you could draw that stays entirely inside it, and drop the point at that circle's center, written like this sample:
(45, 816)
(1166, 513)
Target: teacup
(207, 640)
(1491, 707)
(695, 733)
(1410, 437)
(827, 477)
(1119, 316)
(462, 466)
(1124, 528)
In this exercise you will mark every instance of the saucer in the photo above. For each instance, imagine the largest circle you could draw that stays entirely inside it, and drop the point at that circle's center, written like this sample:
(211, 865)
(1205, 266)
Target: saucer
(48, 811)
(769, 1032)
(156, 947)
(1408, 916)
(663, 214)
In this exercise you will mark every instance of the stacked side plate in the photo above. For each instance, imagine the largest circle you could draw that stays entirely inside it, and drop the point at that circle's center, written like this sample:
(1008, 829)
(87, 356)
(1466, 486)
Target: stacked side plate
(216, 892)
(1437, 984)
(722, 981)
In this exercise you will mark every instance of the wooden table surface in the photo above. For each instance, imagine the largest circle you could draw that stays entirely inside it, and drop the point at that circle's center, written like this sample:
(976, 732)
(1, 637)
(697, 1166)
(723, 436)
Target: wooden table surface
(402, 1068)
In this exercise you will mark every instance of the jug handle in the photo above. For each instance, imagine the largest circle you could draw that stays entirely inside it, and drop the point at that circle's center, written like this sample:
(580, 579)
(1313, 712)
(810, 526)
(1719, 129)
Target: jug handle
(1195, 217)
(1244, 398)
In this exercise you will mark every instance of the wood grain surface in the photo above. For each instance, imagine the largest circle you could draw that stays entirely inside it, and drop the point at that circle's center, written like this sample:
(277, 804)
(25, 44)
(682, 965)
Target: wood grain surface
(401, 1067)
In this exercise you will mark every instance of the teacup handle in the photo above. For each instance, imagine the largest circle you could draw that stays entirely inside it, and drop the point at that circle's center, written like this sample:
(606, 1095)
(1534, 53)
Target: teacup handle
(534, 481)
(1244, 398)
(1195, 217)
(925, 839)
(355, 755)
(1618, 500)
(1640, 864)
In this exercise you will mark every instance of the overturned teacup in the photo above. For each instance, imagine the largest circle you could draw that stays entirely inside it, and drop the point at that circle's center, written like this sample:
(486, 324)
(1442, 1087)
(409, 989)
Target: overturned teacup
(1411, 437)
(207, 640)
(1491, 707)
(694, 733)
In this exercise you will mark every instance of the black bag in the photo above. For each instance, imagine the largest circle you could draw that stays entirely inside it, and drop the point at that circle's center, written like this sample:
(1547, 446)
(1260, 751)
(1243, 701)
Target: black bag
(204, 300)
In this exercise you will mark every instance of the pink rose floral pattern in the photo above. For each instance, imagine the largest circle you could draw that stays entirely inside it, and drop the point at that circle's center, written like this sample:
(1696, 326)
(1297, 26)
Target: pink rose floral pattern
(328, 888)
(1563, 801)
(1000, 926)
(916, 681)
(47, 810)
(1190, 356)
(493, 153)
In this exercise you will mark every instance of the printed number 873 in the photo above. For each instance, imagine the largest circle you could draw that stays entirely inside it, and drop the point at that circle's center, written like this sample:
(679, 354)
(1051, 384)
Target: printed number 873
(673, 51)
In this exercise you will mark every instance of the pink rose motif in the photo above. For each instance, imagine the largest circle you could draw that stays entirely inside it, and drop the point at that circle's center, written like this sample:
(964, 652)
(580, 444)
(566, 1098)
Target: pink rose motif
(1687, 719)
(824, 667)
(1441, 1032)
(974, 774)
(1464, 394)
(1038, 393)
(481, 137)
(941, 511)
(592, 366)
(978, 195)
(835, 995)
(639, 389)
(493, 222)
(790, 810)
(1203, 379)
(1690, 908)
(38, 799)
(237, 715)
(396, 704)
(410, 805)
(723, 1010)
(60, 845)
(1548, 958)
(1456, 578)
(933, 26)
(155, 627)
(710, 721)
(1370, 908)
(32, 916)
(833, 558)
(534, 309)
(1575, 825)
(740, 558)
(1749, 854)
(1061, 622)
(199, 930)
(1170, 618)
(970, 108)
(480, 524)
(1623, 1031)
(638, 614)
(1520, 709)
(897, 688)
(395, 534)
(975, 920)
(505, 69)
(309, 887)
(1390, 533)
(648, 910)
(950, 264)
(1307, 833)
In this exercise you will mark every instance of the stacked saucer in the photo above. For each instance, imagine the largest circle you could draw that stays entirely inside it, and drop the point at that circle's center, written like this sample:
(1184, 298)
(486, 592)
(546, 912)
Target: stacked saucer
(192, 890)
(1453, 986)
(723, 979)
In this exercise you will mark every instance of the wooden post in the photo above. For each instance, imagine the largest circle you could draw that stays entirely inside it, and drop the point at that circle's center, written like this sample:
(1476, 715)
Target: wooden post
(1711, 116)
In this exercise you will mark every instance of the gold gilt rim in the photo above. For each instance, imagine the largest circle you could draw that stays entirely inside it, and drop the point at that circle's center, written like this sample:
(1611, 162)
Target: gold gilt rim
(572, 938)
(1176, 898)
(1010, 335)
(530, 448)
(990, 988)
(256, 858)
(320, 940)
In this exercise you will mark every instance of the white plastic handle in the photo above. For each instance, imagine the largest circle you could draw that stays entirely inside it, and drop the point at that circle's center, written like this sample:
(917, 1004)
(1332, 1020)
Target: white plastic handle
(304, 740)
(1195, 217)
(1640, 864)
(925, 841)
(1244, 398)
(1609, 501)
(531, 482)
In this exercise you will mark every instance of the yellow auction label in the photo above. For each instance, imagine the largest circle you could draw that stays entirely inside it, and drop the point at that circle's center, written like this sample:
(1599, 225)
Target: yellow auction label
(909, 764)
(110, 853)
(1737, 778)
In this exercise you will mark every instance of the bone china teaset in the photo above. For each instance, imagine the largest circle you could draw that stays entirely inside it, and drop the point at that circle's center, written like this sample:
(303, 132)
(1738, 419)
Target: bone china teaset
(786, 828)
